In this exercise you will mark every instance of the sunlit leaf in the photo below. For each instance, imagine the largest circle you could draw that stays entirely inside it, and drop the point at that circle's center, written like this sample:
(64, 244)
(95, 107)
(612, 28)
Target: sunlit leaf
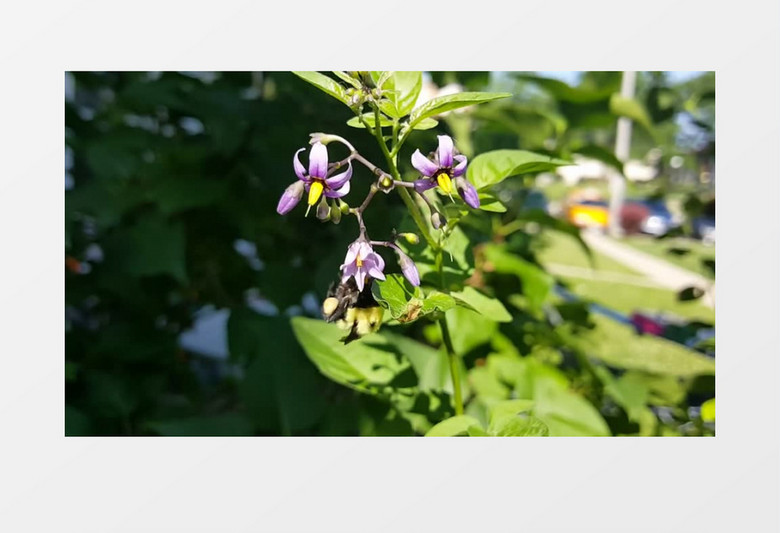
(453, 427)
(369, 118)
(407, 303)
(367, 365)
(490, 168)
(453, 101)
(472, 299)
(325, 84)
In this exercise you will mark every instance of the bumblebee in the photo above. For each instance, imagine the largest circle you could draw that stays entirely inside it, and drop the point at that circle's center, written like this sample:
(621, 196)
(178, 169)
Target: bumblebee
(352, 310)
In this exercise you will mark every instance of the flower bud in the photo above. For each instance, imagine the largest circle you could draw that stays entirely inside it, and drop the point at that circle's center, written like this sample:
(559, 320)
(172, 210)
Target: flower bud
(323, 210)
(408, 268)
(290, 198)
(438, 220)
(411, 238)
(335, 214)
(386, 183)
(467, 192)
(343, 206)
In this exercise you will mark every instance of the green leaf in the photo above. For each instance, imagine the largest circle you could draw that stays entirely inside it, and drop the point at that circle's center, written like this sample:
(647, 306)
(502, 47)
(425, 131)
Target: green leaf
(629, 391)
(490, 168)
(401, 90)
(469, 329)
(492, 308)
(566, 413)
(487, 385)
(370, 120)
(453, 101)
(453, 427)
(430, 365)
(425, 124)
(458, 249)
(407, 303)
(537, 284)
(522, 425)
(488, 202)
(628, 107)
(325, 84)
(343, 76)
(368, 365)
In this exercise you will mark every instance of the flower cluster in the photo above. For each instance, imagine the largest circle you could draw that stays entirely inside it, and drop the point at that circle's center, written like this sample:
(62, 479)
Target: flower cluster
(445, 168)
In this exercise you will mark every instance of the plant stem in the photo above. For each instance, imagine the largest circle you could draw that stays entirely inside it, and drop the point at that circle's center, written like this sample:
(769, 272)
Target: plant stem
(417, 216)
(454, 364)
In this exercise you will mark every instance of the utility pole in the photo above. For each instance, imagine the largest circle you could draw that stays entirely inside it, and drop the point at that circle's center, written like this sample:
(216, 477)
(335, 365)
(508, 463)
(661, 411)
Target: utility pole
(617, 181)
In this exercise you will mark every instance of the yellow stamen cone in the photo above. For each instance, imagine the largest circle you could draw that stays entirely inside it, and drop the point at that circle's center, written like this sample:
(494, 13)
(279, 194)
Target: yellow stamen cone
(445, 183)
(315, 191)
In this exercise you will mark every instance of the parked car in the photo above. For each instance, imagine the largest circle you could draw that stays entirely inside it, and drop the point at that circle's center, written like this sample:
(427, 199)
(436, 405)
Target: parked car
(637, 216)
(659, 219)
(588, 213)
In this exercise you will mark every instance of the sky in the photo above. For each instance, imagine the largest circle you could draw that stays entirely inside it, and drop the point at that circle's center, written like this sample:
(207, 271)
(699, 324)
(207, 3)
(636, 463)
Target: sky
(571, 76)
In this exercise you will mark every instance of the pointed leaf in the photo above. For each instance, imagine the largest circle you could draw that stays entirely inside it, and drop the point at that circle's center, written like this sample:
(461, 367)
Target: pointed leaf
(453, 427)
(493, 167)
(441, 104)
(325, 84)
(492, 308)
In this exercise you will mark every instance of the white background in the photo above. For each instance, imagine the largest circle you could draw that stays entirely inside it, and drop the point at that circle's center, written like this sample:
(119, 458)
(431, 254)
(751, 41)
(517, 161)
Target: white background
(726, 483)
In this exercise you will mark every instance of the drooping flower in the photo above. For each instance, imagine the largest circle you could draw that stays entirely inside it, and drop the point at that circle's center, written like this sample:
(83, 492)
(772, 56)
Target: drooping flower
(361, 262)
(408, 268)
(316, 181)
(440, 171)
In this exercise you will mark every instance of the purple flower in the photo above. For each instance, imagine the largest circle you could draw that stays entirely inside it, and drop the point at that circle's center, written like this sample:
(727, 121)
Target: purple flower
(361, 262)
(440, 171)
(316, 181)
(408, 268)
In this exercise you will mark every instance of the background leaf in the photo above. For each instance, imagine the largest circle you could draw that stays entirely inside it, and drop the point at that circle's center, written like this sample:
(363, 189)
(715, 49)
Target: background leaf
(453, 427)
(482, 304)
(490, 168)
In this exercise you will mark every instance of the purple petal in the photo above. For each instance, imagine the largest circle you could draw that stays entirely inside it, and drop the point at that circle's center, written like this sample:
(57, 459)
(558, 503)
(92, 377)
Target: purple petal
(360, 277)
(423, 164)
(375, 264)
(423, 185)
(461, 166)
(409, 270)
(467, 192)
(445, 151)
(352, 252)
(300, 171)
(318, 161)
(337, 193)
(337, 181)
(290, 198)
(365, 250)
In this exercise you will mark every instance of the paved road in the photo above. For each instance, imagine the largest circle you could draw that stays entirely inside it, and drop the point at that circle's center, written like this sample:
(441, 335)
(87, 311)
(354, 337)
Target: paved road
(657, 270)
